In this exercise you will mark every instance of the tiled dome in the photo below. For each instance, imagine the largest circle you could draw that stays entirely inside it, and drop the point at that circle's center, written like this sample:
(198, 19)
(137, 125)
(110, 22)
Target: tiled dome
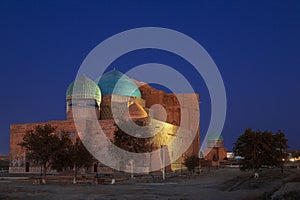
(136, 112)
(215, 136)
(125, 87)
(85, 88)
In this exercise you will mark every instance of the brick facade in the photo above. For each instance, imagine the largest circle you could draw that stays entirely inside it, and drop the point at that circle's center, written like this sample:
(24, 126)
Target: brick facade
(216, 152)
(150, 97)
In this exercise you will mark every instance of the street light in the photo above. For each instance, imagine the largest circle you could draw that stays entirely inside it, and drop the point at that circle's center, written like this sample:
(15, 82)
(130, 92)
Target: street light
(97, 175)
(172, 147)
(163, 161)
(200, 157)
(41, 169)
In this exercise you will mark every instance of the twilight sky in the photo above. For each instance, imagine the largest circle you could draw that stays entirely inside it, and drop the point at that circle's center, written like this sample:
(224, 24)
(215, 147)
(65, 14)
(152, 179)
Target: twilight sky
(256, 47)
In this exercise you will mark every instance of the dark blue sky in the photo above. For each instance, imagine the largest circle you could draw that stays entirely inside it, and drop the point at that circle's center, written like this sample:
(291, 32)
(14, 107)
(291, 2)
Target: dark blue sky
(256, 47)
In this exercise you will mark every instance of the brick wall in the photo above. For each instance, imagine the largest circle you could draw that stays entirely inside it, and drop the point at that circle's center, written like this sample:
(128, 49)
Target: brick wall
(150, 96)
(17, 155)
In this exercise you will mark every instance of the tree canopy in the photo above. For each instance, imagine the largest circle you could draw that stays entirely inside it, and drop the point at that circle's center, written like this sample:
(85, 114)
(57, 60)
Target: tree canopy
(191, 162)
(260, 149)
(130, 143)
(55, 150)
(79, 157)
(42, 145)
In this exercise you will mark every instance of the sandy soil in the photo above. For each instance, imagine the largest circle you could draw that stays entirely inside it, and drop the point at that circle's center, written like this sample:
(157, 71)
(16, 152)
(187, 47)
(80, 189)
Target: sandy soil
(219, 184)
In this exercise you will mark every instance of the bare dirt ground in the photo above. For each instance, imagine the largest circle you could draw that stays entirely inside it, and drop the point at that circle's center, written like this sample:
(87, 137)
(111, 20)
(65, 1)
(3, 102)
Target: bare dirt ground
(217, 184)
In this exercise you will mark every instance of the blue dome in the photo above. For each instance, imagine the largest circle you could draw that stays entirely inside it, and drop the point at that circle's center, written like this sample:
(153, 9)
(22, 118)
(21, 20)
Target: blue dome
(215, 136)
(125, 87)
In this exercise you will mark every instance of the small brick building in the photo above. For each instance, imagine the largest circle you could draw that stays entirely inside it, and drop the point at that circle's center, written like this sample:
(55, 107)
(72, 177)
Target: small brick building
(215, 151)
(97, 99)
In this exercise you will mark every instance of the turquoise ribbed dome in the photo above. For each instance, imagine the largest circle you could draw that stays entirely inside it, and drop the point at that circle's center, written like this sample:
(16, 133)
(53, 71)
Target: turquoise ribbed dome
(215, 136)
(125, 87)
(85, 88)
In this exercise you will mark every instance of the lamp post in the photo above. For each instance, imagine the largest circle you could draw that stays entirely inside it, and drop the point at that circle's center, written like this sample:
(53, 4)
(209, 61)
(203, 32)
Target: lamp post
(163, 162)
(200, 157)
(131, 168)
(163, 156)
(41, 170)
(172, 146)
(97, 174)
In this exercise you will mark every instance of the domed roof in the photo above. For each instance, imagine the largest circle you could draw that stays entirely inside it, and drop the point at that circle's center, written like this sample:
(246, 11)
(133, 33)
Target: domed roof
(215, 136)
(85, 89)
(136, 112)
(125, 87)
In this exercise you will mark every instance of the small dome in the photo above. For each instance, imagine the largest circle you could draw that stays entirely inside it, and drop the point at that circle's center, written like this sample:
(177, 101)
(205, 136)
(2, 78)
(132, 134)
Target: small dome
(215, 136)
(125, 87)
(136, 112)
(85, 89)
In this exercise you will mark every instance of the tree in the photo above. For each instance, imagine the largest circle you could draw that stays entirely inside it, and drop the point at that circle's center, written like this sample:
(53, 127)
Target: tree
(191, 162)
(71, 154)
(260, 149)
(281, 145)
(41, 144)
(61, 158)
(79, 157)
(45, 146)
(130, 143)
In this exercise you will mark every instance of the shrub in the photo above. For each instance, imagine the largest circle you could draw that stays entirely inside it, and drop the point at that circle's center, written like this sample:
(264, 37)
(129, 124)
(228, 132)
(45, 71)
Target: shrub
(191, 162)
